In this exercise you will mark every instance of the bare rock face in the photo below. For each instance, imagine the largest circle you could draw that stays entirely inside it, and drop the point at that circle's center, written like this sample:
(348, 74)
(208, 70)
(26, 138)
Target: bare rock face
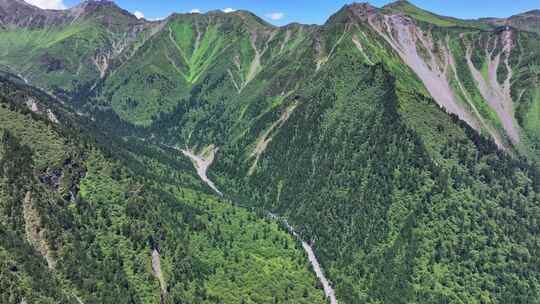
(404, 36)
(432, 60)
(65, 179)
(497, 94)
(362, 9)
(529, 21)
(17, 13)
(354, 12)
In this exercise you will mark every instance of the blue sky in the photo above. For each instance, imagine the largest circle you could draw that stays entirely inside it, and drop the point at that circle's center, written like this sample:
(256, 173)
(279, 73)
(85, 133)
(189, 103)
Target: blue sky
(282, 12)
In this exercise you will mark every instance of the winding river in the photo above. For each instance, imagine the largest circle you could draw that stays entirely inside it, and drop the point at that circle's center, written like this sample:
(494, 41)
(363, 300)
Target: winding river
(202, 164)
(327, 287)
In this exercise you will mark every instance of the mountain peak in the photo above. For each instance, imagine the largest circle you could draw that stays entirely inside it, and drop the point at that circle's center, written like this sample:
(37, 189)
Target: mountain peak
(527, 21)
(90, 6)
(16, 4)
(533, 12)
(360, 7)
(351, 12)
(402, 6)
(96, 3)
(6, 3)
(529, 14)
(398, 3)
(247, 17)
(105, 12)
(354, 12)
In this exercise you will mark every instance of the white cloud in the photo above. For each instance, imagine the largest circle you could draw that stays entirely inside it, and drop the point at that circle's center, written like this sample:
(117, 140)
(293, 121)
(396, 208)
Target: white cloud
(228, 10)
(195, 11)
(275, 16)
(138, 14)
(48, 4)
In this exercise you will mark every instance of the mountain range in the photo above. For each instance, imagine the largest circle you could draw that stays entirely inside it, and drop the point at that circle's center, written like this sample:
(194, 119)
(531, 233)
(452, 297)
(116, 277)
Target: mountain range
(148, 161)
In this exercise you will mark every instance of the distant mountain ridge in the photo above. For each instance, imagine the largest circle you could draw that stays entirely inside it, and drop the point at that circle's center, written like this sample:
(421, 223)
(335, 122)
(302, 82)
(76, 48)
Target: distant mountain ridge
(142, 70)
(21, 14)
(528, 21)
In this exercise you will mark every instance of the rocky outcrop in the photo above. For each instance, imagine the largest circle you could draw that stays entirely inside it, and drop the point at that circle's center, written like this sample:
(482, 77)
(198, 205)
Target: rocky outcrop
(202, 162)
(65, 179)
(33, 105)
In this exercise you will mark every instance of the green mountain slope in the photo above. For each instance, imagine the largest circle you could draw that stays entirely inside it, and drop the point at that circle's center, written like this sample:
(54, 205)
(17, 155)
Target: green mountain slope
(68, 52)
(194, 67)
(80, 223)
(402, 145)
(388, 210)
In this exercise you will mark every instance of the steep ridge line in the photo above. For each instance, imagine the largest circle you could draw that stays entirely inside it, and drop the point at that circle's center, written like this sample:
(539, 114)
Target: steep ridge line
(402, 35)
(201, 164)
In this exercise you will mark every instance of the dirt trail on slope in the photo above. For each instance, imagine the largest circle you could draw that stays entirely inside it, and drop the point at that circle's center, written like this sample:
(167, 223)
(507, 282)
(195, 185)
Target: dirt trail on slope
(323, 59)
(497, 95)
(266, 138)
